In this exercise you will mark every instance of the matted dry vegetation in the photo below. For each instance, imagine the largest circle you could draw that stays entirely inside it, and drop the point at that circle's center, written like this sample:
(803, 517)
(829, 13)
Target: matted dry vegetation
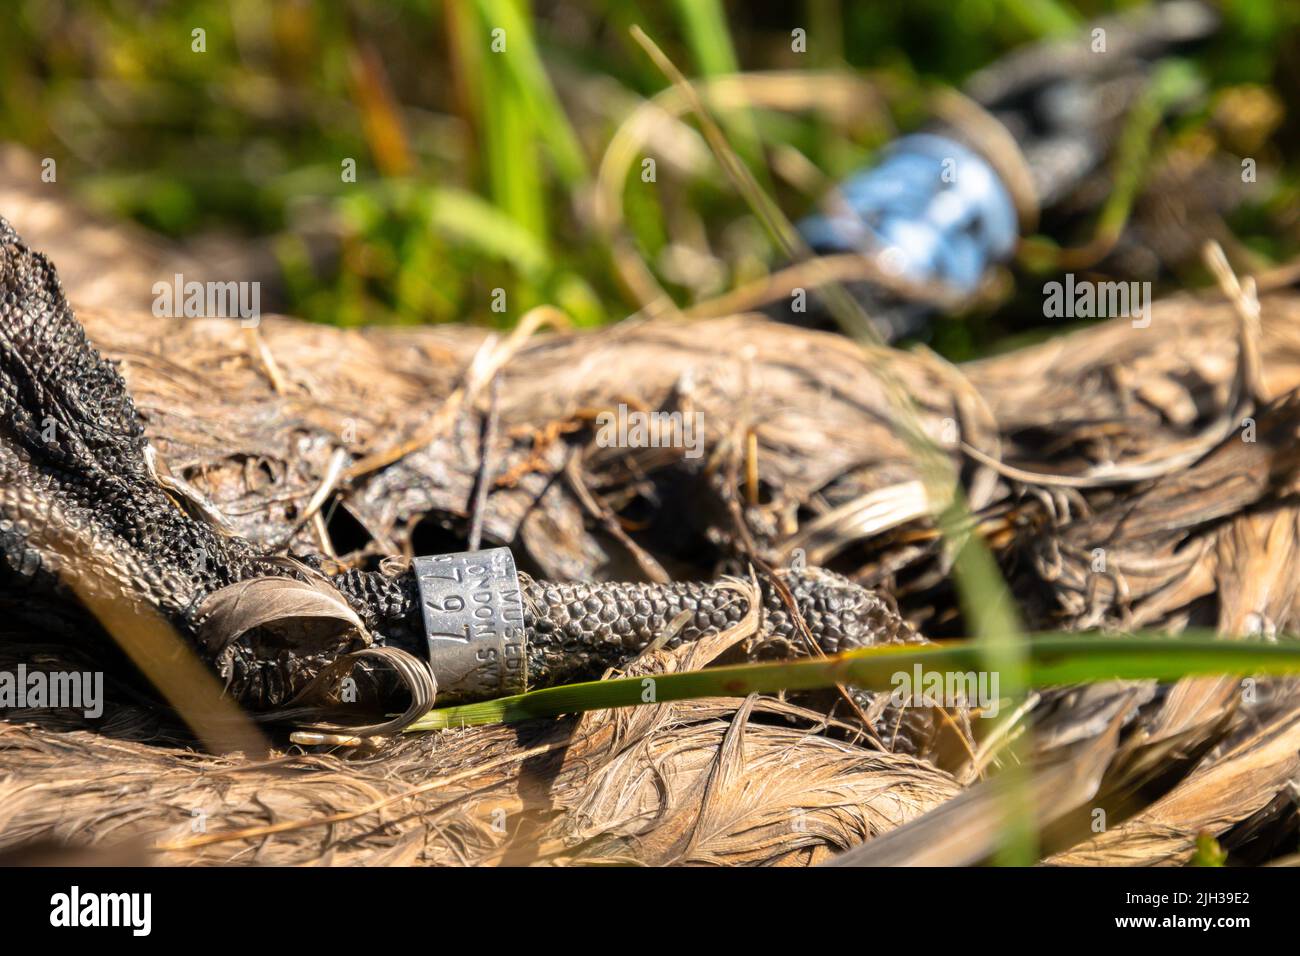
(1198, 527)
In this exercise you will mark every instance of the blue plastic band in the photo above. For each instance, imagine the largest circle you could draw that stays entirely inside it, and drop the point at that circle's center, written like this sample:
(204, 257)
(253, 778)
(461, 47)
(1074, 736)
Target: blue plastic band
(935, 206)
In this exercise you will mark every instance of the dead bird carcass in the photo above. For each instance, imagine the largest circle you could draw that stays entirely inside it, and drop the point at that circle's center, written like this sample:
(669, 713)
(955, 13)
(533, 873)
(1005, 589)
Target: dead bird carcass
(360, 446)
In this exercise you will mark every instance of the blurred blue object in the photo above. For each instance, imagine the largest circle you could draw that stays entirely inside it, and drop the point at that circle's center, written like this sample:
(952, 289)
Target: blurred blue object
(932, 210)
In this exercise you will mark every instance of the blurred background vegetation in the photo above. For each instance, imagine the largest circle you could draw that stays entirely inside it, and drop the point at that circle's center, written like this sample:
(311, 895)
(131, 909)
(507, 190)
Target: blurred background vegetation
(475, 171)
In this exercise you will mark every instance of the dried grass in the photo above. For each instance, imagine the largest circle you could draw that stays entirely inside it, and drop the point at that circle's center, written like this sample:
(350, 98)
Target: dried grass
(1208, 538)
(693, 782)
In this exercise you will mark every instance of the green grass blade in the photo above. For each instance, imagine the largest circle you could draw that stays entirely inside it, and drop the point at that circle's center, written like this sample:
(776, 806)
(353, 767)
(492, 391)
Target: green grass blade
(523, 63)
(1173, 80)
(511, 151)
(704, 23)
(998, 635)
(984, 595)
(508, 143)
(1041, 19)
(487, 229)
(1049, 660)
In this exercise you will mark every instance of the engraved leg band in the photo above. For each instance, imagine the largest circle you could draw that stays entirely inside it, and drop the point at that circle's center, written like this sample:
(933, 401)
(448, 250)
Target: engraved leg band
(474, 624)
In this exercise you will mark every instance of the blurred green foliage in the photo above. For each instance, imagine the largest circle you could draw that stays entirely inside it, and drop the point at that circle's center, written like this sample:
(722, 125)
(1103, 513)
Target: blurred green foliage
(475, 170)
